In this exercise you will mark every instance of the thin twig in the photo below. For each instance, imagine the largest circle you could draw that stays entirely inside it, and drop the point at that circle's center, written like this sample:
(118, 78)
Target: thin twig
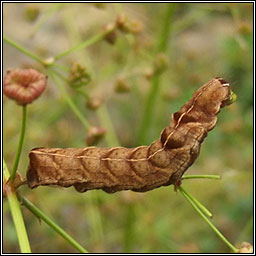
(16, 213)
(155, 84)
(217, 177)
(22, 134)
(104, 117)
(70, 102)
(197, 203)
(82, 45)
(222, 237)
(30, 206)
(22, 49)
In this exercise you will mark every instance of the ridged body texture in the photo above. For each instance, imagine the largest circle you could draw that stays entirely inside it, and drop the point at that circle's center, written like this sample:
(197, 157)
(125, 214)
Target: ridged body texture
(139, 169)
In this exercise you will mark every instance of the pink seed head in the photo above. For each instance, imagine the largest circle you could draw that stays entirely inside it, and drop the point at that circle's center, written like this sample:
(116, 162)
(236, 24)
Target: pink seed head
(24, 85)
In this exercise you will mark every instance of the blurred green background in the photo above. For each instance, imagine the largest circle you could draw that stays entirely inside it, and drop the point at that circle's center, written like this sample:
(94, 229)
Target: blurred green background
(205, 40)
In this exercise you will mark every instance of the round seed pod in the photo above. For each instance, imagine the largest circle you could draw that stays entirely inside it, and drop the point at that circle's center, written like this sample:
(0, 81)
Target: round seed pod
(245, 248)
(122, 86)
(24, 85)
(94, 135)
(94, 102)
(111, 36)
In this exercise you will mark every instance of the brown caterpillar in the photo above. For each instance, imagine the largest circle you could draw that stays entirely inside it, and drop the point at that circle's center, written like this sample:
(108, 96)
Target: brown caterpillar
(139, 169)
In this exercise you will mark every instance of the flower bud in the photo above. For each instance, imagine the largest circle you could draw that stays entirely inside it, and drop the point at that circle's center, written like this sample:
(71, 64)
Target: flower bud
(121, 21)
(78, 76)
(94, 135)
(111, 36)
(246, 248)
(244, 28)
(160, 63)
(94, 102)
(122, 86)
(99, 5)
(149, 72)
(135, 26)
(24, 85)
(128, 26)
(32, 12)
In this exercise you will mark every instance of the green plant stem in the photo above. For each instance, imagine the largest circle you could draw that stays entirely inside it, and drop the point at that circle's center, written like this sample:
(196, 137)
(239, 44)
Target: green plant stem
(46, 16)
(16, 213)
(232, 247)
(22, 49)
(155, 84)
(111, 137)
(197, 203)
(129, 227)
(60, 66)
(52, 224)
(22, 134)
(166, 27)
(94, 214)
(217, 177)
(95, 219)
(103, 115)
(68, 99)
(102, 111)
(57, 73)
(82, 45)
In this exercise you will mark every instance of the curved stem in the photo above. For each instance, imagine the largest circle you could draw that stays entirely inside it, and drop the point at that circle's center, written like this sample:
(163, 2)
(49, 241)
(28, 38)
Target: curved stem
(155, 84)
(22, 134)
(82, 45)
(222, 237)
(22, 49)
(104, 117)
(46, 17)
(69, 100)
(52, 224)
(197, 203)
(16, 213)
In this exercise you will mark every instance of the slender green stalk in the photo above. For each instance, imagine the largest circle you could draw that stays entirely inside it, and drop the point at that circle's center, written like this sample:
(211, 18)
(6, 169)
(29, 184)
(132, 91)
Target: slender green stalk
(69, 100)
(95, 219)
(52, 224)
(149, 106)
(111, 137)
(232, 247)
(60, 66)
(129, 227)
(22, 134)
(75, 38)
(102, 112)
(94, 214)
(166, 27)
(22, 49)
(46, 16)
(16, 213)
(57, 73)
(217, 177)
(155, 84)
(197, 203)
(82, 45)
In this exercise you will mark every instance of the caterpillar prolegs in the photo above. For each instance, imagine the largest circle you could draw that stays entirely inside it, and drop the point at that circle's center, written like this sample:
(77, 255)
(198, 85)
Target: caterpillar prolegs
(139, 169)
